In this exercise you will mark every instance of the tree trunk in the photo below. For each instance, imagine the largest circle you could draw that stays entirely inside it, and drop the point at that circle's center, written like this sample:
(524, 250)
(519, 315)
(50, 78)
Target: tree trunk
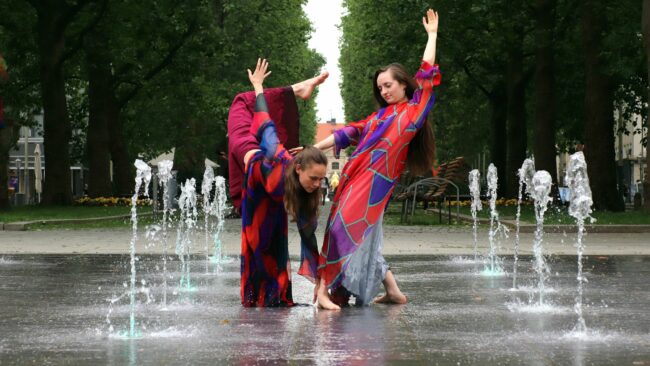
(123, 169)
(498, 151)
(646, 41)
(599, 113)
(8, 137)
(57, 131)
(544, 141)
(516, 135)
(189, 154)
(99, 96)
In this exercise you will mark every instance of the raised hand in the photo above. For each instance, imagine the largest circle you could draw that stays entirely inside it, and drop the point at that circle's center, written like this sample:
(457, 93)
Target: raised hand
(257, 77)
(430, 21)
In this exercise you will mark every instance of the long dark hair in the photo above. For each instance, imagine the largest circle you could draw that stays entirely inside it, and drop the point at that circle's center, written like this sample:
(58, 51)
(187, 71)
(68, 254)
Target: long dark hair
(422, 149)
(297, 201)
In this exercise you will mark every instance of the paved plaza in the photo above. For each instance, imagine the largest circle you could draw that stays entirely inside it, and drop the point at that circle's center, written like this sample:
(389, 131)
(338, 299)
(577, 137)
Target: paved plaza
(65, 300)
(434, 240)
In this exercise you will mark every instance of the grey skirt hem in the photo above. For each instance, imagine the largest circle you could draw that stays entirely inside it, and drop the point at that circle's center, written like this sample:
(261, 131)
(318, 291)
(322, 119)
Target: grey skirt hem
(367, 268)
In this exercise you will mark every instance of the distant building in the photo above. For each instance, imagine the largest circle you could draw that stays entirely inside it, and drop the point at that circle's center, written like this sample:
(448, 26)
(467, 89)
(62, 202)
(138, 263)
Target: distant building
(630, 158)
(324, 130)
(21, 167)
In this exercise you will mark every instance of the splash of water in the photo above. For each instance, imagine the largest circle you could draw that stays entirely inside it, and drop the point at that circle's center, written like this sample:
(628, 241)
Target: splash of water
(525, 174)
(186, 225)
(143, 175)
(219, 208)
(580, 208)
(493, 265)
(206, 189)
(475, 191)
(541, 190)
(164, 175)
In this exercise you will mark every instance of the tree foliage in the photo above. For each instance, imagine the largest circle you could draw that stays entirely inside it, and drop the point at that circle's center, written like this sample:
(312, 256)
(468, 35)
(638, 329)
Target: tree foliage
(476, 51)
(172, 69)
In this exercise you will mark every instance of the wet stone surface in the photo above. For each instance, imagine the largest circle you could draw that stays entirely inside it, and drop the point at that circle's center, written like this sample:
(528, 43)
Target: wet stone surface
(55, 309)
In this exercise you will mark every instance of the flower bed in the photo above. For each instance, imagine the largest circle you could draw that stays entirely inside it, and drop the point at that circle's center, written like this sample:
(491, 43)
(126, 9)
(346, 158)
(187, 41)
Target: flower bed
(111, 201)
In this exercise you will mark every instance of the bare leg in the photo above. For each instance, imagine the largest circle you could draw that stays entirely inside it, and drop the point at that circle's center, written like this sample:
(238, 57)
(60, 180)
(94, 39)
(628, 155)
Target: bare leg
(393, 293)
(304, 88)
(323, 298)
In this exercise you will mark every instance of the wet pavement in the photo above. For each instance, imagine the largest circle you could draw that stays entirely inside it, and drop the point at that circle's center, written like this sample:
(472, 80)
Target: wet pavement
(55, 309)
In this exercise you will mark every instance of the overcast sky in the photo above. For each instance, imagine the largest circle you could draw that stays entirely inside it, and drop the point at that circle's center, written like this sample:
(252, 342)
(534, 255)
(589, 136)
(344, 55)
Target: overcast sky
(325, 16)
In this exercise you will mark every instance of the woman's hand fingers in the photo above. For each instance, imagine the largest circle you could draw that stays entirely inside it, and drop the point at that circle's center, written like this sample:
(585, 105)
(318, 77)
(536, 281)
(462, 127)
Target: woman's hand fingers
(260, 72)
(295, 150)
(430, 21)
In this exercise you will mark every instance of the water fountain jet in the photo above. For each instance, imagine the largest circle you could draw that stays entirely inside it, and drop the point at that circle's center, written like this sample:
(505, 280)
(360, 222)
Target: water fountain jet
(580, 202)
(525, 173)
(475, 191)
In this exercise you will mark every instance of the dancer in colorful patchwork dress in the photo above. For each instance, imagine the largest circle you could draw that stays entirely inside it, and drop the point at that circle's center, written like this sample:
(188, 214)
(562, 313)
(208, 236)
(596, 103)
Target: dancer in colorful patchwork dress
(394, 137)
(276, 183)
(284, 112)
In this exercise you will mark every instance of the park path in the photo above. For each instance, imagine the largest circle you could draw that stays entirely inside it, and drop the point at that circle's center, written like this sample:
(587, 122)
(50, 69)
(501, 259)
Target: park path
(399, 240)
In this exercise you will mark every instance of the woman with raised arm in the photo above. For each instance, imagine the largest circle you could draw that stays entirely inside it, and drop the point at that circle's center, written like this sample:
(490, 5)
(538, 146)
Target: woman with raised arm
(276, 183)
(394, 137)
(283, 110)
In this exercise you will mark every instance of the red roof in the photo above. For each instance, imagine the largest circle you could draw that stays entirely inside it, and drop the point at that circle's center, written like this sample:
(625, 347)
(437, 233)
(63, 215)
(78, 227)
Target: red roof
(323, 130)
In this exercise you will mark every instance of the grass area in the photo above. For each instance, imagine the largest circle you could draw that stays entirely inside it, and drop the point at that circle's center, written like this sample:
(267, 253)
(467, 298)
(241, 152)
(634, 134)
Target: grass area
(420, 217)
(31, 213)
(555, 215)
(559, 215)
(103, 224)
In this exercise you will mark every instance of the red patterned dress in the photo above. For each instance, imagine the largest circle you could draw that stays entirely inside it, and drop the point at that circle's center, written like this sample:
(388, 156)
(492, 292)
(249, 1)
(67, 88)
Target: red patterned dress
(265, 265)
(351, 253)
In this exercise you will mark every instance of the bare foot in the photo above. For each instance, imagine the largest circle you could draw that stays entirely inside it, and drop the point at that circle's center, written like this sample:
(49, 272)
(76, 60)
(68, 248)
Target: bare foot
(398, 298)
(324, 302)
(304, 88)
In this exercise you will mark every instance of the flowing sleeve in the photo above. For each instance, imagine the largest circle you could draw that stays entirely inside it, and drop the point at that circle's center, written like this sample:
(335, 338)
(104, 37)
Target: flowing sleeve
(350, 134)
(308, 248)
(267, 166)
(423, 99)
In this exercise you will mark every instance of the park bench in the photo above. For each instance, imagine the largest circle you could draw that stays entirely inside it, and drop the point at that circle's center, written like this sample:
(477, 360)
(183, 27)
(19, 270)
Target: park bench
(451, 181)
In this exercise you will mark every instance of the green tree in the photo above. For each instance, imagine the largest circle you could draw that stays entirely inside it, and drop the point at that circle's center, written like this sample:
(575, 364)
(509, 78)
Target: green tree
(54, 27)
(646, 40)
(120, 62)
(20, 92)
(186, 108)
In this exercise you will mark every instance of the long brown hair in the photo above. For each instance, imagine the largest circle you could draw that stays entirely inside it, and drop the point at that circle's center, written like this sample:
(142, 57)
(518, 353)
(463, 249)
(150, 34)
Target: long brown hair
(422, 149)
(297, 201)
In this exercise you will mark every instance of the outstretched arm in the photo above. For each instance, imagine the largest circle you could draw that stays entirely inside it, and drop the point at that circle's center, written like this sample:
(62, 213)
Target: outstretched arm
(267, 170)
(427, 76)
(261, 115)
(430, 23)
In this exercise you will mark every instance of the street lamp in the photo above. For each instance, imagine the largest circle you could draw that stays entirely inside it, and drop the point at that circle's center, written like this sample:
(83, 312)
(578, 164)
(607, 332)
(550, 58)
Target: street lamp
(20, 181)
(26, 171)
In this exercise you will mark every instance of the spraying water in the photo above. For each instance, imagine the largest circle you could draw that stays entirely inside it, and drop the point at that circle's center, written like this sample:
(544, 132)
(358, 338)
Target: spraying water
(186, 224)
(525, 174)
(143, 175)
(206, 189)
(164, 174)
(219, 208)
(493, 263)
(580, 208)
(541, 190)
(475, 191)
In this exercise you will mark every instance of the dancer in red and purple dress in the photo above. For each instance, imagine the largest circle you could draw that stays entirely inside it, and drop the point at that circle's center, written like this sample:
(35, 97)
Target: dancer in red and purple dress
(394, 137)
(283, 111)
(276, 184)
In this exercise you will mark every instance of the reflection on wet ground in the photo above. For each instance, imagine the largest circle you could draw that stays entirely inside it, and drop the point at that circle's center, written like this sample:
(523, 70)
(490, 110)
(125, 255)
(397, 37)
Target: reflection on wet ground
(55, 309)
